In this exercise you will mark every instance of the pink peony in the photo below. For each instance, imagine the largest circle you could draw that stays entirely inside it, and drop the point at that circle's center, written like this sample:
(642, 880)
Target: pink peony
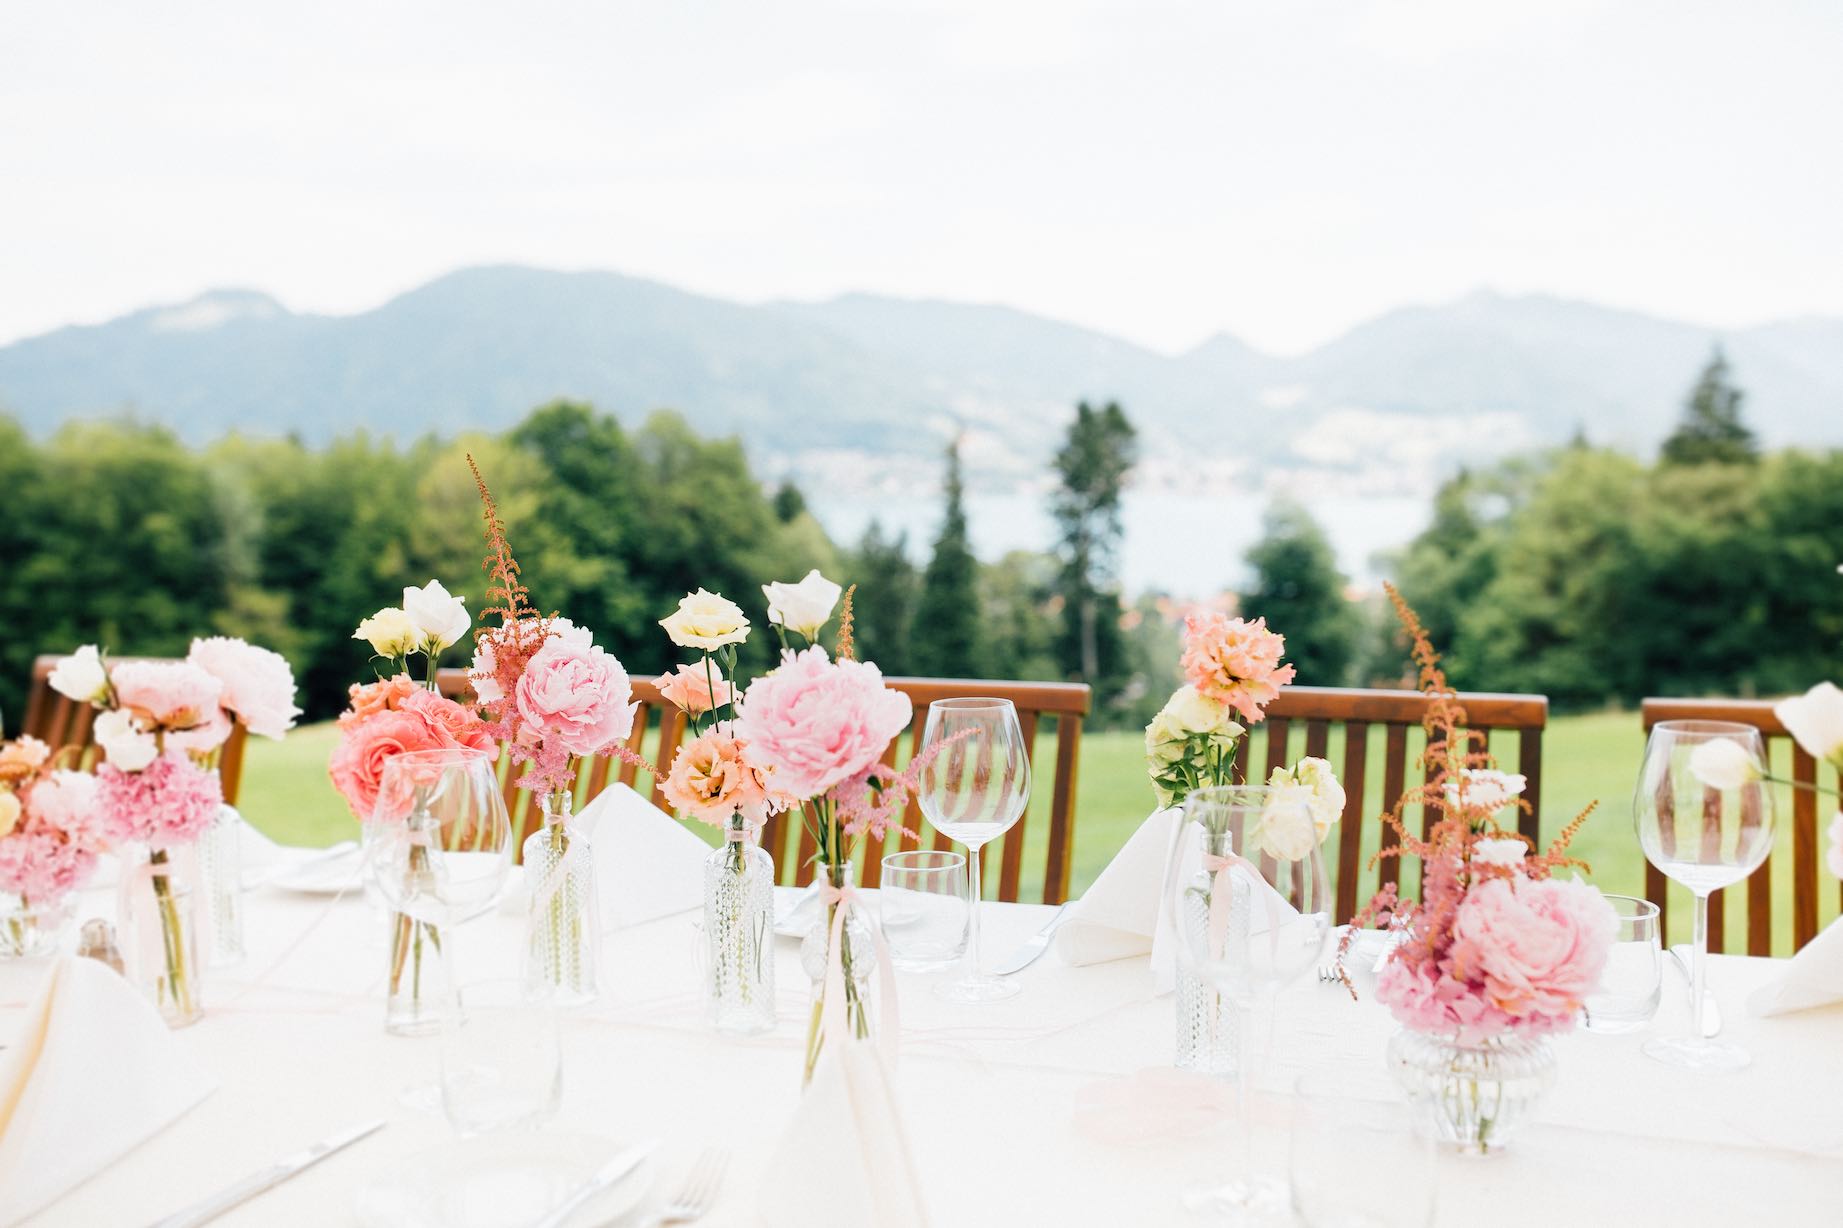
(1424, 999)
(576, 696)
(41, 865)
(169, 802)
(171, 694)
(815, 723)
(712, 778)
(689, 688)
(258, 685)
(1538, 946)
(1233, 662)
(66, 803)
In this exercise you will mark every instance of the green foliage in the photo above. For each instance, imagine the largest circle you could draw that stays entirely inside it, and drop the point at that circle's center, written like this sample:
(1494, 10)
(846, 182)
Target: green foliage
(1016, 597)
(947, 637)
(1711, 431)
(1299, 591)
(884, 603)
(1092, 465)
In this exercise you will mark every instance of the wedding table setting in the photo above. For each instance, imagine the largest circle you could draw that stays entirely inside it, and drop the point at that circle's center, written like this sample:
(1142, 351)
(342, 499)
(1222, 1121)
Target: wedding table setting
(615, 1021)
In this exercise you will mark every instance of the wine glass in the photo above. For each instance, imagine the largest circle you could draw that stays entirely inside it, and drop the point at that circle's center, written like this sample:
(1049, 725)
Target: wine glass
(1705, 818)
(1250, 908)
(972, 791)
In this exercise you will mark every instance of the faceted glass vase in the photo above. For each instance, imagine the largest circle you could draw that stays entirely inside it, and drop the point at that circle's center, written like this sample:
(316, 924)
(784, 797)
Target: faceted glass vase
(1474, 1096)
(220, 864)
(30, 929)
(1207, 1041)
(858, 956)
(739, 933)
(158, 915)
(564, 940)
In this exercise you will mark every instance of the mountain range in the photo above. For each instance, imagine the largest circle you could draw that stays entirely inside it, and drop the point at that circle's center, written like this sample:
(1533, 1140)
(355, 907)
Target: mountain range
(859, 392)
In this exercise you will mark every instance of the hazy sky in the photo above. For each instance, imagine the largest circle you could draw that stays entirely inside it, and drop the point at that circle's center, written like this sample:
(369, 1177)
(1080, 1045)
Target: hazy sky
(1160, 170)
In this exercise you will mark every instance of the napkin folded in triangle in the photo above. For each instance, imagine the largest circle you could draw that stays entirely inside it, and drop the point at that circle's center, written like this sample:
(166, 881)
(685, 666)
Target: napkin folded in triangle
(845, 1160)
(93, 1072)
(1813, 978)
(1118, 917)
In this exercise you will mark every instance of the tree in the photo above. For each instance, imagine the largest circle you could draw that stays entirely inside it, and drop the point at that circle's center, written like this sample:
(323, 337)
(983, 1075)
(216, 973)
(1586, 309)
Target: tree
(946, 640)
(1711, 430)
(1093, 464)
(884, 604)
(1299, 591)
(788, 502)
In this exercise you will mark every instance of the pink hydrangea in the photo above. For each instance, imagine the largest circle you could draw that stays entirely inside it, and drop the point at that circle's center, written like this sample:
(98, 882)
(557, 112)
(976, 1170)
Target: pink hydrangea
(815, 723)
(66, 803)
(169, 802)
(258, 684)
(41, 865)
(1234, 662)
(575, 696)
(1537, 946)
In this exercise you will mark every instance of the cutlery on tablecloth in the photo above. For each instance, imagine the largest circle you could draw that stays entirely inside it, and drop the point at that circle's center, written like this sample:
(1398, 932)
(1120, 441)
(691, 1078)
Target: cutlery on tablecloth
(623, 1163)
(1038, 943)
(1711, 1014)
(268, 1178)
(696, 1194)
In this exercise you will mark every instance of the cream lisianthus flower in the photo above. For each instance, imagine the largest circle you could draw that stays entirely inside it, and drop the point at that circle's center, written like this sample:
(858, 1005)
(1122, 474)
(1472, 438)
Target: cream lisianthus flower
(804, 607)
(81, 676)
(127, 746)
(706, 620)
(441, 618)
(9, 812)
(391, 632)
(1723, 763)
(1189, 734)
(1327, 793)
(1815, 719)
(1288, 829)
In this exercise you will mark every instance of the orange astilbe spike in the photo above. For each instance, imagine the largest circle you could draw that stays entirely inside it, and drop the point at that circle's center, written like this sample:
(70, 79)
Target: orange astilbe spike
(845, 647)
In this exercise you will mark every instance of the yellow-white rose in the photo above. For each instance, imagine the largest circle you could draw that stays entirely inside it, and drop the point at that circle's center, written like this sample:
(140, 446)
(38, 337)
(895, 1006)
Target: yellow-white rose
(9, 812)
(1723, 763)
(1815, 719)
(81, 676)
(1327, 804)
(1194, 712)
(706, 620)
(1288, 831)
(804, 607)
(126, 745)
(391, 633)
(441, 618)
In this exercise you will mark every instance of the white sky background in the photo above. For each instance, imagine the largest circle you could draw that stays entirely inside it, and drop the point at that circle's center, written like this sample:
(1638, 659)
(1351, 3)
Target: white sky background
(1157, 170)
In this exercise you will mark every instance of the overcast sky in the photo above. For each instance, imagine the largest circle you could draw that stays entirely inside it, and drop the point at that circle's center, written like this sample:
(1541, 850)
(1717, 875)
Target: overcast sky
(1158, 170)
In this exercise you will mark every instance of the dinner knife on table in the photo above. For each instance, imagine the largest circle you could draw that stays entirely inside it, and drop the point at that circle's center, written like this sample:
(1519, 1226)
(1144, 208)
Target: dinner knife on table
(266, 1179)
(1038, 943)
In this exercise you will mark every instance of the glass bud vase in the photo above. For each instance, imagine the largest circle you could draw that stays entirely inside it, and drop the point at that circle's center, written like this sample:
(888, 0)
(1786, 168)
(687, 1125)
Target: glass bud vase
(420, 989)
(220, 863)
(1206, 1035)
(858, 960)
(1474, 1096)
(739, 931)
(29, 929)
(159, 921)
(565, 936)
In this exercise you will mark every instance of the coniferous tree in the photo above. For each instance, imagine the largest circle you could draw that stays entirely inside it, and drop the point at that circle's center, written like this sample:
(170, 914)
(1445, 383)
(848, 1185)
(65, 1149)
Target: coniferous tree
(1093, 464)
(1711, 430)
(884, 604)
(1299, 591)
(945, 641)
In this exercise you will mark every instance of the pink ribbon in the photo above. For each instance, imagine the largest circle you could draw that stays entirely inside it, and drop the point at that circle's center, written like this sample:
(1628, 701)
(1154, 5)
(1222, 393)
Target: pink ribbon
(1221, 895)
(837, 1024)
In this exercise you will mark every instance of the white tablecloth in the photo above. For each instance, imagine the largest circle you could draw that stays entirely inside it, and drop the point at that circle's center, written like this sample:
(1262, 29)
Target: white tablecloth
(296, 1041)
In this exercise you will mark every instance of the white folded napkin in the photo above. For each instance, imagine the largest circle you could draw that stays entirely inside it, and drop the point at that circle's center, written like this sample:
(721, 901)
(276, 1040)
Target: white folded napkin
(1813, 978)
(1119, 915)
(93, 1072)
(845, 1159)
(647, 864)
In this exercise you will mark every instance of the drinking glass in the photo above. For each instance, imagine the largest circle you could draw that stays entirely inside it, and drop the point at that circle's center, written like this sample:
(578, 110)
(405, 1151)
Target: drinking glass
(501, 1058)
(923, 902)
(1632, 983)
(1250, 905)
(1705, 818)
(1361, 1156)
(972, 791)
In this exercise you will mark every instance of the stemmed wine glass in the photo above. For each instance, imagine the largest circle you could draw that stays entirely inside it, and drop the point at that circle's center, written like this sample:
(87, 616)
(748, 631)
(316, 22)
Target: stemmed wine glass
(973, 790)
(1705, 818)
(1250, 907)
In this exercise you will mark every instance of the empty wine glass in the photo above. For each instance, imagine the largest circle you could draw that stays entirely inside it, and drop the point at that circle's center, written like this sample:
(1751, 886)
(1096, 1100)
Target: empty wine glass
(1250, 907)
(1705, 818)
(973, 790)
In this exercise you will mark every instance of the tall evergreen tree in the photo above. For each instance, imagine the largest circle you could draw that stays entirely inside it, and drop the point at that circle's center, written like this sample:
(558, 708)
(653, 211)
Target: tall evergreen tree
(789, 503)
(884, 604)
(945, 641)
(1299, 591)
(1711, 430)
(1093, 464)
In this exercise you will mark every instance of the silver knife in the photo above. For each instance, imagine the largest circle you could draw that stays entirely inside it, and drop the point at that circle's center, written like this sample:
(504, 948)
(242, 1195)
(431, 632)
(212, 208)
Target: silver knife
(1027, 954)
(1711, 1014)
(623, 1163)
(268, 1178)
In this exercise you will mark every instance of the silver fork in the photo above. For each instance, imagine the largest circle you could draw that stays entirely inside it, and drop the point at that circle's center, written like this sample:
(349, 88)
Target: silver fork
(695, 1195)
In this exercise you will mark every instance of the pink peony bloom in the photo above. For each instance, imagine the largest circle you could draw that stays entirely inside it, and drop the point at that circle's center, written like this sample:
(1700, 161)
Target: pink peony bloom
(1538, 946)
(1424, 999)
(169, 802)
(576, 695)
(712, 778)
(174, 694)
(1233, 662)
(689, 687)
(258, 685)
(66, 803)
(815, 723)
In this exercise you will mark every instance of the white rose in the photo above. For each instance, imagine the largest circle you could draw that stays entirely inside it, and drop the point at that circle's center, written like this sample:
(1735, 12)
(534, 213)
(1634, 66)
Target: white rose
(1287, 828)
(439, 615)
(804, 607)
(1500, 851)
(124, 742)
(1723, 763)
(1327, 793)
(1195, 712)
(706, 620)
(1816, 720)
(9, 812)
(1485, 789)
(390, 632)
(81, 676)
(1164, 740)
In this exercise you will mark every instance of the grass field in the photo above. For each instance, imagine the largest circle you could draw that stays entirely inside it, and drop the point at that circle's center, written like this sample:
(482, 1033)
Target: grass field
(286, 793)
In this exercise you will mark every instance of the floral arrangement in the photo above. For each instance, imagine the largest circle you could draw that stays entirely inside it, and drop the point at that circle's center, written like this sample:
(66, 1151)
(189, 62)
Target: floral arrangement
(430, 620)
(50, 828)
(1231, 667)
(1496, 946)
(386, 718)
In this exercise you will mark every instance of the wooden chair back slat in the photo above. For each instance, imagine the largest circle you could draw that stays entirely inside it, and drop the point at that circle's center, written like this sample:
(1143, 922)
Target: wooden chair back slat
(1061, 856)
(1804, 845)
(1350, 826)
(1394, 784)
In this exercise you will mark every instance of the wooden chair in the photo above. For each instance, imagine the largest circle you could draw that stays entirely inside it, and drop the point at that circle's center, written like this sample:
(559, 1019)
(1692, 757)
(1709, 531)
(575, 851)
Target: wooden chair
(1806, 856)
(1358, 711)
(59, 722)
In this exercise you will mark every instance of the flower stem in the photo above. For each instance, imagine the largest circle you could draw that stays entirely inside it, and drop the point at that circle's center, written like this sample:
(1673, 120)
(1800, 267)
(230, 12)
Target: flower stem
(178, 977)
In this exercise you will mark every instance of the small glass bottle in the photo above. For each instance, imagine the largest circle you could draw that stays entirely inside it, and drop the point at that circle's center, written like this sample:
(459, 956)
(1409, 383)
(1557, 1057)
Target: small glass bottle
(739, 930)
(858, 957)
(220, 862)
(159, 922)
(565, 934)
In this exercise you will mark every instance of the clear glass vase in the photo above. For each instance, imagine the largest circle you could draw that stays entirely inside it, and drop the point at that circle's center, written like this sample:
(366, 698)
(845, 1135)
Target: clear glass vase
(220, 863)
(858, 961)
(1473, 1096)
(739, 934)
(31, 929)
(565, 935)
(160, 922)
(1207, 1039)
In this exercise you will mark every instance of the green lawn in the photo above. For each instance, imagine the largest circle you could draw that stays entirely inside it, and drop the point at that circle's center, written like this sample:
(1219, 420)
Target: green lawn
(286, 793)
